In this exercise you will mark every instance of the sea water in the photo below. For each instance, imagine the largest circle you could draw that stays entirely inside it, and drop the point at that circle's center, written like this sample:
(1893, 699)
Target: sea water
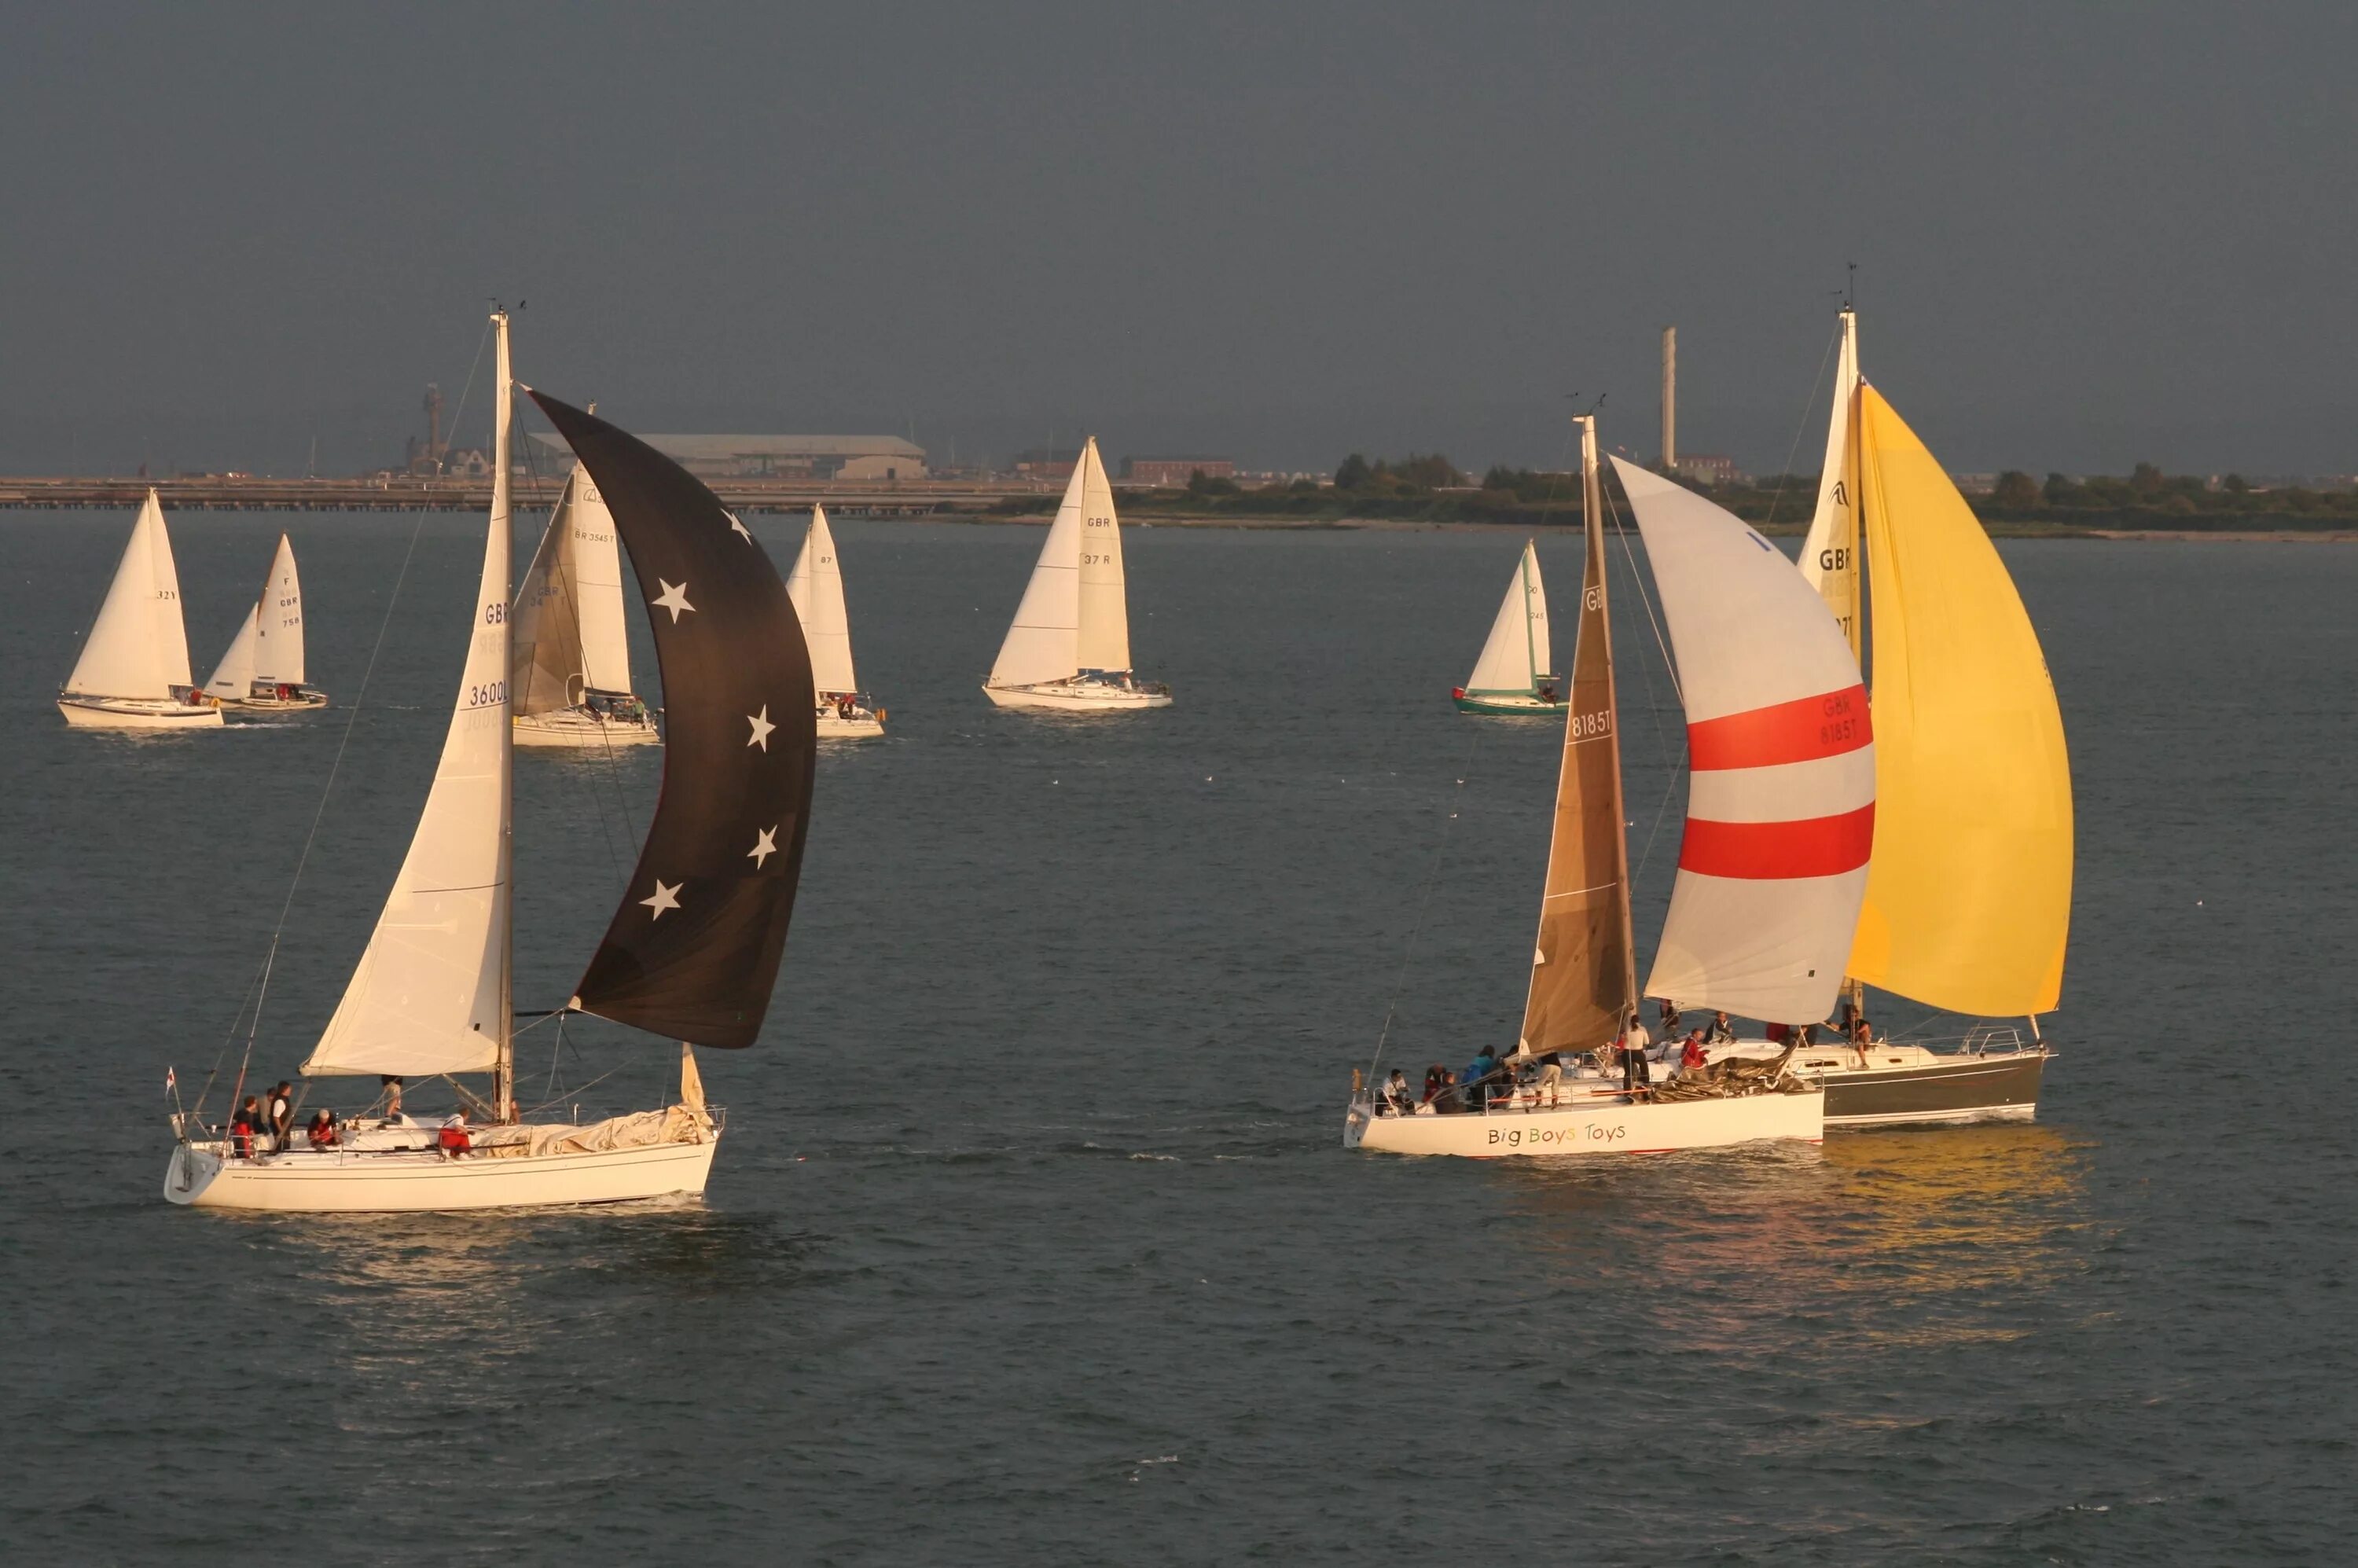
(1032, 1239)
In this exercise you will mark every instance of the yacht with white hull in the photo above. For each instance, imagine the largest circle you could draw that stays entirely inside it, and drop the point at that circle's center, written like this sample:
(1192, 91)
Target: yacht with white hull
(1069, 647)
(572, 649)
(263, 671)
(692, 950)
(1514, 674)
(816, 585)
(133, 669)
(1769, 876)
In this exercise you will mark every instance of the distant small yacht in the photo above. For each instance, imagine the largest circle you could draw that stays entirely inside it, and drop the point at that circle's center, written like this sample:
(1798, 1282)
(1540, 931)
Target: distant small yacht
(133, 669)
(1068, 648)
(263, 671)
(815, 586)
(1513, 674)
(571, 664)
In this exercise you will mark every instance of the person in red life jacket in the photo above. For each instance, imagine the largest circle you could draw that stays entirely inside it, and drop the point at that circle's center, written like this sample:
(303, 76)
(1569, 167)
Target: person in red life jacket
(322, 1132)
(1693, 1057)
(1780, 1033)
(240, 1128)
(454, 1141)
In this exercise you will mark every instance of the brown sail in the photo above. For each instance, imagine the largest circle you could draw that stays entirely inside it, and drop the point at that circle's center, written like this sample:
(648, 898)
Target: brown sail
(1583, 969)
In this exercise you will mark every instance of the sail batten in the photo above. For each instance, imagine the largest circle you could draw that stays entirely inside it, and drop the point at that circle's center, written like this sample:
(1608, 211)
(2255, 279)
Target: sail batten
(1582, 982)
(1968, 901)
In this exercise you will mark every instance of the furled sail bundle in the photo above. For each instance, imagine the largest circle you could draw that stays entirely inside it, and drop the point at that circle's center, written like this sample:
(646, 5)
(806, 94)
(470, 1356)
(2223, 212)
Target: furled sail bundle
(1781, 802)
(693, 947)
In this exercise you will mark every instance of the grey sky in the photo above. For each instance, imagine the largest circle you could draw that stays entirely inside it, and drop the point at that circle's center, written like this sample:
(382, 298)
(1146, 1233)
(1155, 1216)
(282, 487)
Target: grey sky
(2088, 234)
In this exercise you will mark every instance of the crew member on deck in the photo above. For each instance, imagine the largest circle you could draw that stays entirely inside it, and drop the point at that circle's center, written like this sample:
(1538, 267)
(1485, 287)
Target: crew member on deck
(1634, 1040)
(1721, 1031)
(1670, 1019)
(391, 1084)
(1693, 1057)
(1397, 1098)
(242, 1127)
(282, 1116)
(453, 1141)
(322, 1133)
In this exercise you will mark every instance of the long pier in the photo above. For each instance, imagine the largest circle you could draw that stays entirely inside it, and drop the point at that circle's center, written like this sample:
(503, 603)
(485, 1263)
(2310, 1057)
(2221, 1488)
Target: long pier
(242, 492)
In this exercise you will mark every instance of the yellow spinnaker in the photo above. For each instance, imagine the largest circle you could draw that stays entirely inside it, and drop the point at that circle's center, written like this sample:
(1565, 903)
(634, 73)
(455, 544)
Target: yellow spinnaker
(1969, 894)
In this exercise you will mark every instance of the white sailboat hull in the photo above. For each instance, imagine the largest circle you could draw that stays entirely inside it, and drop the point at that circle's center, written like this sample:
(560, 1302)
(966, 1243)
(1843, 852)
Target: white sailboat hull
(576, 727)
(1617, 1127)
(1076, 697)
(834, 726)
(304, 701)
(136, 713)
(420, 1182)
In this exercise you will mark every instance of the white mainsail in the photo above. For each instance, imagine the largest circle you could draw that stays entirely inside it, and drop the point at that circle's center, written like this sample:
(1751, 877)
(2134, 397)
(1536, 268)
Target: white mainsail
(1517, 653)
(430, 993)
(1781, 803)
(233, 679)
(1044, 642)
(596, 562)
(816, 589)
(569, 634)
(137, 647)
(1829, 559)
(1103, 641)
(278, 631)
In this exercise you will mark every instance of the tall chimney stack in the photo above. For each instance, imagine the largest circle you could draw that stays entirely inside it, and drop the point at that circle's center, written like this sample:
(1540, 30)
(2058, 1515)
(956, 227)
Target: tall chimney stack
(1670, 398)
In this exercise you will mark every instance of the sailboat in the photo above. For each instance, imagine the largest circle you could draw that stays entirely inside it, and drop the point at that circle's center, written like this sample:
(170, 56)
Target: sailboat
(263, 671)
(1069, 647)
(1771, 871)
(572, 652)
(133, 669)
(1514, 674)
(693, 947)
(816, 585)
(1968, 902)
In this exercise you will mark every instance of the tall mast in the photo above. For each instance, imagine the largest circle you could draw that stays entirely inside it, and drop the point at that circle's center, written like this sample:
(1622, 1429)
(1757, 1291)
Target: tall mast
(1592, 522)
(502, 416)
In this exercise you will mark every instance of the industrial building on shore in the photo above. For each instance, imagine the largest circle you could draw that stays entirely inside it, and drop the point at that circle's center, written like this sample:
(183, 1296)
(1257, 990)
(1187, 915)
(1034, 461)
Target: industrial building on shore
(777, 457)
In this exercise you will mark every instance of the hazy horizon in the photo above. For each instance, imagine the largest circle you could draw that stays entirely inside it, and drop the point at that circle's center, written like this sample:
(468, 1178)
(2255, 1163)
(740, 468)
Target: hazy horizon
(2084, 239)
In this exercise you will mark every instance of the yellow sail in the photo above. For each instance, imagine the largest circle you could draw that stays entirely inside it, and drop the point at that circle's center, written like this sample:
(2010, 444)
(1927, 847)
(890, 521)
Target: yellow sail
(1969, 893)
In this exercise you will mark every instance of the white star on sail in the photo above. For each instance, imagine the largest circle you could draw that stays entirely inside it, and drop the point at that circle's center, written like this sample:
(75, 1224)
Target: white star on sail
(764, 845)
(735, 522)
(666, 896)
(762, 727)
(674, 598)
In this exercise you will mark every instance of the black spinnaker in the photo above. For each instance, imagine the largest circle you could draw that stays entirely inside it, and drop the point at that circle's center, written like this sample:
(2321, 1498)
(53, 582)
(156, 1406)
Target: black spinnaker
(693, 948)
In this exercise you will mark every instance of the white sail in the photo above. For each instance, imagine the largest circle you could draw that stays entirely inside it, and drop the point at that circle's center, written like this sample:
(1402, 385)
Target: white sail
(1781, 803)
(1829, 559)
(594, 560)
(233, 679)
(279, 633)
(816, 589)
(1517, 653)
(430, 993)
(137, 647)
(1103, 642)
(1043, 642)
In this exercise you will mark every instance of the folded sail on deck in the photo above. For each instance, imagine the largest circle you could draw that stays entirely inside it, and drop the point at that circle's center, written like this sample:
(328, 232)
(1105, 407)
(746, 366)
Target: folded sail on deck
(1780, 805)
(1969, 902)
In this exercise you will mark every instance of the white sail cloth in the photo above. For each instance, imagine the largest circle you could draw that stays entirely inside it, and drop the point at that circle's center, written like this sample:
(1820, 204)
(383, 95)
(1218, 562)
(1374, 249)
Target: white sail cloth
(570, 636)
(1518, 653)
(430, 993)
(233, 679)
(1829, 559)
(1075, 614)
(278, 623)
(816, 589)
(139, 647)
(1781, 806)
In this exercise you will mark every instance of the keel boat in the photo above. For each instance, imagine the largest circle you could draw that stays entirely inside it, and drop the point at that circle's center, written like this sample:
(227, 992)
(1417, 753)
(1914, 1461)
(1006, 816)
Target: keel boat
(572, 652)
(692, 950)
(816, 585)
(1514, 674)
(133, 669)
(263, 671)
(1068, 648)
(1771, 870)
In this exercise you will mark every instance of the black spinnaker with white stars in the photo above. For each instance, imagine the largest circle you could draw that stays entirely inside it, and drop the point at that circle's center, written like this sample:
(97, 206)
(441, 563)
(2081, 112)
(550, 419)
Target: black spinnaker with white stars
(694, 948)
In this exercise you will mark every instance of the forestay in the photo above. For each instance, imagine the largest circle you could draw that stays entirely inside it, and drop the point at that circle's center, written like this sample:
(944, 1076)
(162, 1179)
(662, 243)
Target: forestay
(1780, 805)
(139, 646)
(1517, 653)
(1969, 902)
(430, 994)
(815, 586)
(1102, 641)
(1044, 642)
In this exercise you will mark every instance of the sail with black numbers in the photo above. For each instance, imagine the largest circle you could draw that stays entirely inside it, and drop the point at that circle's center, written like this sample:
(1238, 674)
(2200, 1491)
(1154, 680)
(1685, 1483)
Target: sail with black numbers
(693, 948)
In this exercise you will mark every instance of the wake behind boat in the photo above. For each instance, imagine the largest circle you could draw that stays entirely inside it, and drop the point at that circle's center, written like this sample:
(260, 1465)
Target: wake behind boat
(263, 671)
(572, 651)
(693, 947)
(133, 669)
(1068, 648)
(1770, 873)
(816, 586)
(1514, 674)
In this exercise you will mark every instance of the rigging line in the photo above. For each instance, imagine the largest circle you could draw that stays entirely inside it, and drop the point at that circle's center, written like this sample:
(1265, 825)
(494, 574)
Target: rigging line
(1795, 450)
(1424, 901)
(344, 743)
